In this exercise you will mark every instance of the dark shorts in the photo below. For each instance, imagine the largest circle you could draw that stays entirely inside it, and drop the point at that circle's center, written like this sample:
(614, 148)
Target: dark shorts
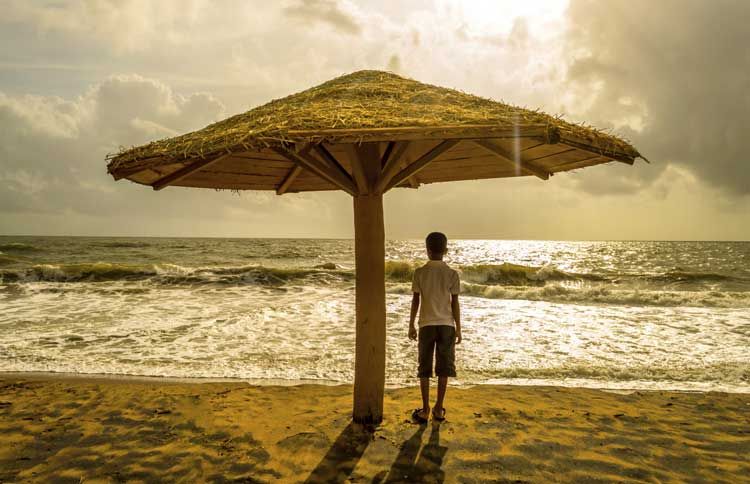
(440, 341)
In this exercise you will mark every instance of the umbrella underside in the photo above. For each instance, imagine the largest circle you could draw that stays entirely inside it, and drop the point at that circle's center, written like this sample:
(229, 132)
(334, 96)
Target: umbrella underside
(325, 162)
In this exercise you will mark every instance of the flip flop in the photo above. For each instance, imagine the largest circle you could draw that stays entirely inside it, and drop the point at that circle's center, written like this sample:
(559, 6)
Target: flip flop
(415, 415)
(437, 417)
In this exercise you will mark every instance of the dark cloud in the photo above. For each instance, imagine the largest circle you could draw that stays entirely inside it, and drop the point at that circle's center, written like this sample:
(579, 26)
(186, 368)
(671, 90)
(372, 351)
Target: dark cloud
(678, 68)
(324, 11)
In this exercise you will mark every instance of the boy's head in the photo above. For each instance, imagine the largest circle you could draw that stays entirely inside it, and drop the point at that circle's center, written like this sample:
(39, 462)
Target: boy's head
(437, 245)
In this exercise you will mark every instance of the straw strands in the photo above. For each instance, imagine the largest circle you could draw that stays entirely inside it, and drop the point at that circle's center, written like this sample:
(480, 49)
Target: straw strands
(364, 105)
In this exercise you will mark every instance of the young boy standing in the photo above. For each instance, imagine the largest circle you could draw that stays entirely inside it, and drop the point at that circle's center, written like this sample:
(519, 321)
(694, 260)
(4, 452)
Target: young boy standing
(436, 286)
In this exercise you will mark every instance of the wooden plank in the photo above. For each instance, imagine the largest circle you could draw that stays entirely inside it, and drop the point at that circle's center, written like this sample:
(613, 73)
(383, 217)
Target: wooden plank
(231, 185)
(542, 151)
(420, 163)
(186, 171)
(157, 161)
(468, 148)
(219, 178)
(416, 133)
(484, 159)
(506, 156)
(591, 161)
(610, 153)
(392, 165)
(243, 164)
(121, 173)
(311, 185)
(469, 175)
(293, 174)
(313, 164)
(250, 170)
(432, 171)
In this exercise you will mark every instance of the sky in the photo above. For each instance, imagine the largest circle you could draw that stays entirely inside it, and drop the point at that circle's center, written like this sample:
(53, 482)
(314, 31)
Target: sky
(79, 80)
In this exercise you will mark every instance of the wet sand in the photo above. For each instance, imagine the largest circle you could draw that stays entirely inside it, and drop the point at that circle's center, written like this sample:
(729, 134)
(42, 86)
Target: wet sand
(115, 430)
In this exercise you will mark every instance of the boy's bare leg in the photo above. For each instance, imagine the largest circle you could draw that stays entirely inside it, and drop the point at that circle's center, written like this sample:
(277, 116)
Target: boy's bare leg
(442, 386)
(424, 385)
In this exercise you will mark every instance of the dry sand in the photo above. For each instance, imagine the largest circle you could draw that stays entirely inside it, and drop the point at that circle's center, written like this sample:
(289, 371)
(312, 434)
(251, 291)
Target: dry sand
(107, 430)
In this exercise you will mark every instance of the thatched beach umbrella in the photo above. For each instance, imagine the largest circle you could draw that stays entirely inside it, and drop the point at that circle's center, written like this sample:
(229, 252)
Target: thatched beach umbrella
(366, 133)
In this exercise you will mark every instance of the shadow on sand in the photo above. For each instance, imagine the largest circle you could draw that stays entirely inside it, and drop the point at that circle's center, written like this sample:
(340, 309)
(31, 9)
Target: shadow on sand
(410, 465)
(338, 463)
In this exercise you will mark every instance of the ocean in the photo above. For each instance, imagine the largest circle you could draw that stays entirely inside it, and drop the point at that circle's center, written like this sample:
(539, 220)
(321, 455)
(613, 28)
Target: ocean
(602, 314)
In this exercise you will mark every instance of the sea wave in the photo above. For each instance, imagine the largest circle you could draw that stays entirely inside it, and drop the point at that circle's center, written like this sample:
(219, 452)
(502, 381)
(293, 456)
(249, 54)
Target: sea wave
(8, 260)
(562, 293)
(505, 274)
(122, 245)
(19, 247)
(680, 276)
(165, 274)
(510, 281)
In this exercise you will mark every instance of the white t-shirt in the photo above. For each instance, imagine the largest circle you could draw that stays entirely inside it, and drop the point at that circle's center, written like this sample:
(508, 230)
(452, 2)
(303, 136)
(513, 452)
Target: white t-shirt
(435, 281)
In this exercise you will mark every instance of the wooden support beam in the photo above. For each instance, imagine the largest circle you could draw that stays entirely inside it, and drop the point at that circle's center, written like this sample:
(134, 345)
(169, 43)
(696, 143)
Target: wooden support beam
(392, 165)
(290, 177)
(331, 160)
(387, 153)
(420, 163)
(369, 256)
(628, 158)
(358, 169)
(306, 160)
(186, 171)
(506, 156)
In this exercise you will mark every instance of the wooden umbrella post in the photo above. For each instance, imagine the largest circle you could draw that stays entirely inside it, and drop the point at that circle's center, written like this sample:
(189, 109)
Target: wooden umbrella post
(369, 257)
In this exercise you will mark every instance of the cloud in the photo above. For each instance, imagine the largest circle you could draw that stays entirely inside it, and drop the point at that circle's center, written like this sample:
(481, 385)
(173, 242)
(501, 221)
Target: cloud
(52, 150)
(127, 25)
(673, 75)
(673, 95)
(324, 11)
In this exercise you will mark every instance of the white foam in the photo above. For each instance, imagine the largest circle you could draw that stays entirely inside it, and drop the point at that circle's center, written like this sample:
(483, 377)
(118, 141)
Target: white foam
(306, 332)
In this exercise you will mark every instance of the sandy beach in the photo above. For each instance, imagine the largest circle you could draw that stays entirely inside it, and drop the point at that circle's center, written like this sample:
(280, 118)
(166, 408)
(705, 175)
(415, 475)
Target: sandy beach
(115, 430)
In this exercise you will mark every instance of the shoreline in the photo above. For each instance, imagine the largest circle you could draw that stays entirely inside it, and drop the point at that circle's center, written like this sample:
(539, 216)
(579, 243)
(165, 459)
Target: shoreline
(114, 429)
(272, 382)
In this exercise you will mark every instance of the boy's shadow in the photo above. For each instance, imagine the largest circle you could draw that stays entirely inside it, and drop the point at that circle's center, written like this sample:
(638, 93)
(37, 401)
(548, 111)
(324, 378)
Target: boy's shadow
(414, 466)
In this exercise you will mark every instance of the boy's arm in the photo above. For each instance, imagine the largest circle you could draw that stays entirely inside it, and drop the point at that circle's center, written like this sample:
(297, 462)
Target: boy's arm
(456, 309)
(413, 316)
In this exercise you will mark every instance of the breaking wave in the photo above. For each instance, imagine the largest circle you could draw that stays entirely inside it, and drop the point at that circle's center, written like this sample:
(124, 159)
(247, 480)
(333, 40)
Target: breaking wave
(164, 273)
(492, 281)
(601, 295)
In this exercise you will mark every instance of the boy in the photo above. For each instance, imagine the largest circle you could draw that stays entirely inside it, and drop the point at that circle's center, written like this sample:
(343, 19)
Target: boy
(437, 285)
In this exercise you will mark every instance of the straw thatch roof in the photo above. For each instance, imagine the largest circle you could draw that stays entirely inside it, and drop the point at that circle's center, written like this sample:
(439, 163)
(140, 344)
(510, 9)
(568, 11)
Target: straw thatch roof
(247, 151)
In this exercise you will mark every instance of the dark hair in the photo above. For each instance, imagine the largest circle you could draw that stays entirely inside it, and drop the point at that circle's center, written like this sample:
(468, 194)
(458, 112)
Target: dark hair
(437, 242)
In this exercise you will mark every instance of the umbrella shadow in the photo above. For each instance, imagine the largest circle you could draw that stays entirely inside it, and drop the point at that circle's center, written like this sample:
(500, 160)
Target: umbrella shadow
(340, 460)
(411, 465)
